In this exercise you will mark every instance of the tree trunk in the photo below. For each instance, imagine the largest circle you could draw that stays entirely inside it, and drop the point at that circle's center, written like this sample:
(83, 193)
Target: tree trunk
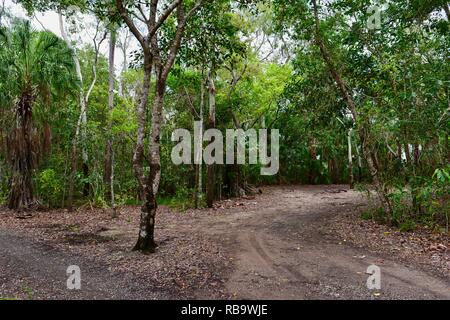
(447, 12)
(236, 183)
(313, 158)
(21, 156)
(359, 164)
(210, 185)
(2, 11)
(146, 239)
(124, 47)
(350, 160)
(446, 158)
(109, 162)
(146, 242)
(73, 171)
(334, 170)
(151, 48)
(199, 155)
(416, 154)
(81, 124)
(407, 153)
(138, 156)
(399, 150)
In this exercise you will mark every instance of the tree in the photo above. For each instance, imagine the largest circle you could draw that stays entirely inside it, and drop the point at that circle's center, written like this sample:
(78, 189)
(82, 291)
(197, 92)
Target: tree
(36, 67)
(213, 39)
(163, 64)
(109, 157)
(363, 128)
(211, 170)
(80, 136)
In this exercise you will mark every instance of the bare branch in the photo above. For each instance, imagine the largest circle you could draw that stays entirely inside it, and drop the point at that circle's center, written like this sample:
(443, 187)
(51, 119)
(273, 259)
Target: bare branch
(143, 14)
(94, 66)
(39, 21)
(131, 25)
(191, 104)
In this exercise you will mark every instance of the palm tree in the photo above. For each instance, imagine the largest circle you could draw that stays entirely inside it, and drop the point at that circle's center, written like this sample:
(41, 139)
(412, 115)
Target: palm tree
(35, 68)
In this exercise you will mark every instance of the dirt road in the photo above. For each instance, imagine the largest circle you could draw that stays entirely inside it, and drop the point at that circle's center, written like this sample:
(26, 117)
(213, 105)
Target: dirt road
(284, 253)
(280, 250)
(26, 268)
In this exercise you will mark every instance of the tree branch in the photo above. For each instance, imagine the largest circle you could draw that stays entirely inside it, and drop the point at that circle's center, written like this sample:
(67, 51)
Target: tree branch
(131, 25)
(163, 17)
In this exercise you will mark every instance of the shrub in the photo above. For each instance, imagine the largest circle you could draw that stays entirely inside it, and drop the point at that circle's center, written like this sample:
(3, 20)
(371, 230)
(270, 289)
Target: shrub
(50, 187)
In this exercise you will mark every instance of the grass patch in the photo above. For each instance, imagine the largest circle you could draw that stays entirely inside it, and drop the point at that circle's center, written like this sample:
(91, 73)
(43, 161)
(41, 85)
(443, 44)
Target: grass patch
(176, 203)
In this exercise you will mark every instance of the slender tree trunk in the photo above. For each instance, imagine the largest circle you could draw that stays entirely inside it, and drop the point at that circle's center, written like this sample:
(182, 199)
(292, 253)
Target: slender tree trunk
(2, 11)
(210, 185)
(407, 153)
(446, 158)
(199, 155)
(109, 158)
(447, 11)
(124, 47)
(312, 169)
(81, 124)
(335, 170)
(237, 185)
(417, 208)
(108, 149)
(416, 154)
(399, 150)
(359, 164)
(350, 160)
(73, 171)
(21, 156)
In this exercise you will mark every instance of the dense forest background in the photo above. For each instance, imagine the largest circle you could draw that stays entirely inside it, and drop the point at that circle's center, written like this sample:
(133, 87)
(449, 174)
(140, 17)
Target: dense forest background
(358, 89)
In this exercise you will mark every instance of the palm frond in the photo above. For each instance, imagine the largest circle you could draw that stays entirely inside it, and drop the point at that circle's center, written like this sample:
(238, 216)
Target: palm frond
(32, 59)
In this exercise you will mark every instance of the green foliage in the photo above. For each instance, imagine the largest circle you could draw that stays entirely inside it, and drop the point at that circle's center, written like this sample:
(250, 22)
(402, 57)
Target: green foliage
(375, 214)
(367, 215)
(29, 292)
(39, 60)
(398, 80)
(182, 200)
(50, 187)
(401, 209)
(442, 176)
(408, 226)
(425, 202)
